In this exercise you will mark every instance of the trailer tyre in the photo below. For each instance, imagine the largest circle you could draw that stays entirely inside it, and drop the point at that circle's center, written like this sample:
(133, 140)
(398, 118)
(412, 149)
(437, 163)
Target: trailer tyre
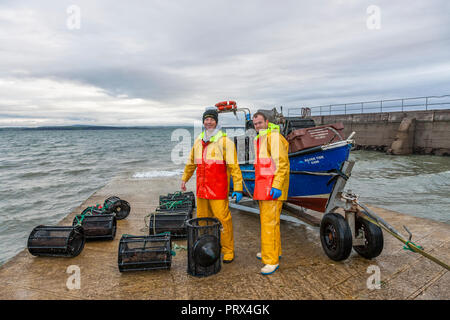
(374, 239)
(335, 236)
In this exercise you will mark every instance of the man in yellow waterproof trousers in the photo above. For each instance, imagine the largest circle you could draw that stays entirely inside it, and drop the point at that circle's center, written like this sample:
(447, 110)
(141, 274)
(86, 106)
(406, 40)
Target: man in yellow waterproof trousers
(271, 187)
(214, 156)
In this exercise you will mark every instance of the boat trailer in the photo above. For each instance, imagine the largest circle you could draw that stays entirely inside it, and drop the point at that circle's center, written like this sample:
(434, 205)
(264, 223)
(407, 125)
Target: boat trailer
(359, 228)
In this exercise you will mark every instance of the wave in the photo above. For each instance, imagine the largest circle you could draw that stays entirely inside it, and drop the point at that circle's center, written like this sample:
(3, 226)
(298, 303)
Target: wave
(34, 174)
(157, 173)
(134, 161)
(76, 171)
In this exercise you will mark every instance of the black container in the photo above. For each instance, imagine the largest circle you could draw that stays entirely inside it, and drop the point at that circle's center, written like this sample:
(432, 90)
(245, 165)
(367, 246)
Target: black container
(115, 205)
(139, 253)
(175, 223)
(203, 246)
(185, 196)
(98, 226)
(56, 241)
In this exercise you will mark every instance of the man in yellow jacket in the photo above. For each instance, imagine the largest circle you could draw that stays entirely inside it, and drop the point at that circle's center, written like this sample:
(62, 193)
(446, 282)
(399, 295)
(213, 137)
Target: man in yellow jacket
(214, 156)
(271, 187)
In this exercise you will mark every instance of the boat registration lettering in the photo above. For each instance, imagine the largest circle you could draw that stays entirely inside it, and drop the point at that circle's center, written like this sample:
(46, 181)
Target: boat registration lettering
(314, 160)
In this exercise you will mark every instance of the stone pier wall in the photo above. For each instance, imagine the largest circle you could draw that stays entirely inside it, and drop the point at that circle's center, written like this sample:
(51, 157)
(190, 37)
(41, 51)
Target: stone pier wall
(378, 131)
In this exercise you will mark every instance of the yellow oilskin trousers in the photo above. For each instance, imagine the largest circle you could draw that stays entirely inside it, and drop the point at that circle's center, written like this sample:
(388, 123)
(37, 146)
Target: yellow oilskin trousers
(270, 211)
(219, 209)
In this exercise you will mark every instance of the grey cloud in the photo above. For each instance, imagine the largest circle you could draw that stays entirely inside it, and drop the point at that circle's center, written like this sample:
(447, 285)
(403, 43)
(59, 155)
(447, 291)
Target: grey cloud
(288, 53)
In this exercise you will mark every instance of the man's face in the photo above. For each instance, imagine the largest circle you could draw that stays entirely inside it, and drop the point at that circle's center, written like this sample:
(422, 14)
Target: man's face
(210, 123)
(260, 123)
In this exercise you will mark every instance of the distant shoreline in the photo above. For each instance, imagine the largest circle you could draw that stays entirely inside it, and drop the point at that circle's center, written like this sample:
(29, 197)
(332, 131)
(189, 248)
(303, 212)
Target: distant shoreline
(83, 127)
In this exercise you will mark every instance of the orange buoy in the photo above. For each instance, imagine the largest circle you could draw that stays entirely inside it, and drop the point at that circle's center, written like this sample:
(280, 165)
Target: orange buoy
(229, 104)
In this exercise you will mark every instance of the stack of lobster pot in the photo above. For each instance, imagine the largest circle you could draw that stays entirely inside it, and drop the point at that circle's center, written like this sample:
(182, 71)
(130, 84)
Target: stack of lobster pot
(171, 215)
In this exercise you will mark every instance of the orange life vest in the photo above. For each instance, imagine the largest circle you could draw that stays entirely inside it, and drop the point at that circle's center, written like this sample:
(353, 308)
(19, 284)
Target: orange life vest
(264, 166)
(212, 179)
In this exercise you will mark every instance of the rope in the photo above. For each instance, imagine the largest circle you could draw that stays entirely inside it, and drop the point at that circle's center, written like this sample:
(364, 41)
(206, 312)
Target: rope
(246, 189)
(410, 245)
(169, 202)
(147, 223)
(177, 247)
(86, 212)
(79, 221)
(175, 194)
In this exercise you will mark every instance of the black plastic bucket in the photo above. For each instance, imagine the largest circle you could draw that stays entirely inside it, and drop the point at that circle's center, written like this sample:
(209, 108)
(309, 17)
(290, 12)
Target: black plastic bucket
(56, 241)
(175, 223)
(204, 247)
(139, 253)
(115, 205)
(97, 227)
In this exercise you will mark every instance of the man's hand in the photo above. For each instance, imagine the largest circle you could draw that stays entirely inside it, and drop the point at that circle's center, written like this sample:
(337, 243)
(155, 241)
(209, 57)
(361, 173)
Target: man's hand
(275, 193)
(183, 185)
(238, 196)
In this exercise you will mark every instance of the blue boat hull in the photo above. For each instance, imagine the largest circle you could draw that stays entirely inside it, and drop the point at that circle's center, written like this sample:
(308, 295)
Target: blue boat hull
(305, 188)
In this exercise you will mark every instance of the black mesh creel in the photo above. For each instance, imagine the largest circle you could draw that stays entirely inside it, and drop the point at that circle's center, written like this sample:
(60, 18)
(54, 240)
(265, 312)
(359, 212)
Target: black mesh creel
(175, 223)
(56, 241)
(141, 253)
(97, 227)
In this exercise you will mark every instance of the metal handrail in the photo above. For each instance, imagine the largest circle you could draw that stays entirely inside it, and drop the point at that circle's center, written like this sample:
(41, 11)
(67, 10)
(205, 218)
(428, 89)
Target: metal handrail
(342, 108)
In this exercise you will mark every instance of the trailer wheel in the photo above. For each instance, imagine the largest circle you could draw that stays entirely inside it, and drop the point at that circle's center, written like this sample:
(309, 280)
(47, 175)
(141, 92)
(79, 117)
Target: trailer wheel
(374, 238)
(336, 236)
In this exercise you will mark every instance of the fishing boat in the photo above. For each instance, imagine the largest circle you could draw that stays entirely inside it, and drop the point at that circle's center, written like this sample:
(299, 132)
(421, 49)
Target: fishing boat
(319, 169)
(316, 157)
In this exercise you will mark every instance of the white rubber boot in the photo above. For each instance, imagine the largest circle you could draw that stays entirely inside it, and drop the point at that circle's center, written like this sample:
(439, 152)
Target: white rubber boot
(269, 269)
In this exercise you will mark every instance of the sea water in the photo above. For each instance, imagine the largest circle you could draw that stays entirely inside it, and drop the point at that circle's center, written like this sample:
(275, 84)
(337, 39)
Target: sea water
(45, 174)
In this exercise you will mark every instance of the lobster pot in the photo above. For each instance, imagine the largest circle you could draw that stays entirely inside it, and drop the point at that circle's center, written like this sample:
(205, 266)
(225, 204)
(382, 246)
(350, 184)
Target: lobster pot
(138, 253)
(177, 197)
(175, 223)
(115, 205)
(203, 246)
(56, 241)
(97, 227)
(182, 208)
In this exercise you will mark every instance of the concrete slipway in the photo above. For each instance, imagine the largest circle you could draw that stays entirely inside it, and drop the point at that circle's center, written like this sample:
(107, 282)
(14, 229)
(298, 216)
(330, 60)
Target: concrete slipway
(305, 271)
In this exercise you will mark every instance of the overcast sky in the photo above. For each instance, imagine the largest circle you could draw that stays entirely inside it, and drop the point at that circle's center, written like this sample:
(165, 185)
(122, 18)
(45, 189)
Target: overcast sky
(162, 62)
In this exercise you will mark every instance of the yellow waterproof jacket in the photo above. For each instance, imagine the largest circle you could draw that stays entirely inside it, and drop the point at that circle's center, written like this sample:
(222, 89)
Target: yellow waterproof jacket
(271, 164)
(215, 161)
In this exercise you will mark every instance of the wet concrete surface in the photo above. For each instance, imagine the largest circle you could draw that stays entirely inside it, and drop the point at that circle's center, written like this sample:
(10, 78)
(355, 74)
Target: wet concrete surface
(305, 271)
